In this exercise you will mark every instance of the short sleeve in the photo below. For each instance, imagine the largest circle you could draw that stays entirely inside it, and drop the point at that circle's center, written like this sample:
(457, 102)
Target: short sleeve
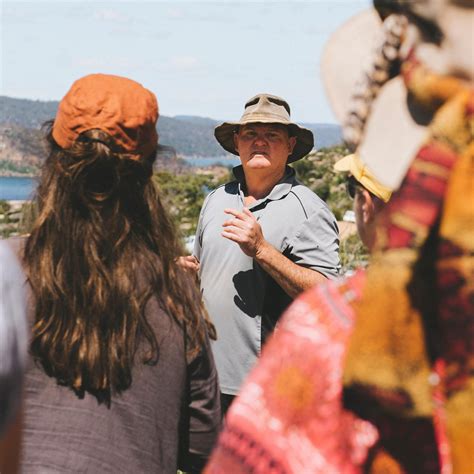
(198, 239)
(13, 334)
(199, 229)
(315, 244)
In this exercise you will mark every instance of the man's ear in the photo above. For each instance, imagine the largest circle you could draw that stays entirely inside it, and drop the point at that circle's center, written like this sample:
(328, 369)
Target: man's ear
(368, 207)
(292, 143)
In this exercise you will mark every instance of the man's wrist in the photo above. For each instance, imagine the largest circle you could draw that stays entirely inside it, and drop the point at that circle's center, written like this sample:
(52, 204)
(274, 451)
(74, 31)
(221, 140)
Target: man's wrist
(261, 255)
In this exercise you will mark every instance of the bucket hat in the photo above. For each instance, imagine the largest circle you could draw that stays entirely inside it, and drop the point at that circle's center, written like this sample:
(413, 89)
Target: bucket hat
(266, 108)
(116, 105)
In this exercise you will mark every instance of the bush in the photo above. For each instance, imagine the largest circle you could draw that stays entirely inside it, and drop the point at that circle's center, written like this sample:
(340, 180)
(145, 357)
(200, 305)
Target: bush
(353, 254)
(183, 195)
(4, 206)
(317, 172)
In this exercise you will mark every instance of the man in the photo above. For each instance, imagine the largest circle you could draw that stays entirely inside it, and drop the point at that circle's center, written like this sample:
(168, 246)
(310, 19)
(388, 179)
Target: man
(298, 380)
(261, 239)
(370, 196)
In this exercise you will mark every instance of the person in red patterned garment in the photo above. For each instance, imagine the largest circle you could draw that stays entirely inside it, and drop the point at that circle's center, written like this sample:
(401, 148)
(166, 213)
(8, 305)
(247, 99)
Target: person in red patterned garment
(374, 373)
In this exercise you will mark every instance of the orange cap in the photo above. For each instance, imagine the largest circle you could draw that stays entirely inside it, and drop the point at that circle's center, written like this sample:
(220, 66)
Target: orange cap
(116, 105)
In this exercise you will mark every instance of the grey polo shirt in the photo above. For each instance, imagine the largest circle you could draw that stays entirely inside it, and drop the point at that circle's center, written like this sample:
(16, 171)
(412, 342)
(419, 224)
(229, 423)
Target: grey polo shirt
(243, 301)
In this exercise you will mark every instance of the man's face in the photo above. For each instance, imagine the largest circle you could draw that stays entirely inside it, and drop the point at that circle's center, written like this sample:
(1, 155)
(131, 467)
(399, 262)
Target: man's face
(264, 146)
(366, 208)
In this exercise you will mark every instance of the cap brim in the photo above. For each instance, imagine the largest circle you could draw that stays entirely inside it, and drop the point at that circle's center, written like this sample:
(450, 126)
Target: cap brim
(344, 164)
(224, 134)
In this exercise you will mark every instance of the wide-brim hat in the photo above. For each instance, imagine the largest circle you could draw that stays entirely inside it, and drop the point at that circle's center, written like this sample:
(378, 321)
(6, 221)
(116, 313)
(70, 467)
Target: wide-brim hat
(394, 130)
(266, 108)
(390, 137)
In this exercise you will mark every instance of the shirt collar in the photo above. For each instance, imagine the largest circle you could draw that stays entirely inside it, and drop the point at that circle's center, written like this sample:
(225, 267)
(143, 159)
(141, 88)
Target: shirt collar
(279, 191)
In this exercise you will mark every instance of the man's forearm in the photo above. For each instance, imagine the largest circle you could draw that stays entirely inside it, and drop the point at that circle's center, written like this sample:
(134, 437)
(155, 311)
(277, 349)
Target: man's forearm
(293, 278)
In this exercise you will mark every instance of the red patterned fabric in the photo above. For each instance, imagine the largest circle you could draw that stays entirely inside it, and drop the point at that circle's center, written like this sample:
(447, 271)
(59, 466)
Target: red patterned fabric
(415, 365)
(289, 416)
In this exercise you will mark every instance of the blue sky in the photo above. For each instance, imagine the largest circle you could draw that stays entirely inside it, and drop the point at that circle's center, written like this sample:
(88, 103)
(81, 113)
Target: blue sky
(200, 58)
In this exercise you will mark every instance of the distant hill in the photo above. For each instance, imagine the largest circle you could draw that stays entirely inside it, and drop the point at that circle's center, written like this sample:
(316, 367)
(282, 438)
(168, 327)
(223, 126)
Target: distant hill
(188, 135)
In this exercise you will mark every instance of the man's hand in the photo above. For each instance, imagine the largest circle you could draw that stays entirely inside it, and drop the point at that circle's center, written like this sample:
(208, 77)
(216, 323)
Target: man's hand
(245, 231)
(189, 262)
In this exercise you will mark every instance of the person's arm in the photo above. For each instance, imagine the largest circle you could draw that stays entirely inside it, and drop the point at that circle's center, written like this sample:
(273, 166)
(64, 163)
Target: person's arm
(247, 232)
(203, 417)
(293, 278)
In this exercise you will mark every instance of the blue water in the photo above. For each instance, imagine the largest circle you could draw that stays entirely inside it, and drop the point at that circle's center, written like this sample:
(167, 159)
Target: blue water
(12, 189)
(203, 162)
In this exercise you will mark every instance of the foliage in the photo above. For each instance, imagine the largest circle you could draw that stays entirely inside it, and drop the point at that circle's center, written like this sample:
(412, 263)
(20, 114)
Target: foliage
(29, 213)
(353, 253)
(184, 195)
(4, 206)
(16, 221)
(8, 168)
(316, 171)
(5, 226)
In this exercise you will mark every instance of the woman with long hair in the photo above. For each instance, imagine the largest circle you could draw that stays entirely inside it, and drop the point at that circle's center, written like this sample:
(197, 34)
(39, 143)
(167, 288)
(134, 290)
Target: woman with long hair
(121, 377)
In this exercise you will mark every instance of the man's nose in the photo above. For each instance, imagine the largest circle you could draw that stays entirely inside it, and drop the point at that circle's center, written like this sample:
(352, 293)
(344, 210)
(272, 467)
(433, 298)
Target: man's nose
(260, 140)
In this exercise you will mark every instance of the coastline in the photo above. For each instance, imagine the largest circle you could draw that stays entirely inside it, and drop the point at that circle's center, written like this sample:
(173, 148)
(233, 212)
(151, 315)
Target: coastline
(17, 174)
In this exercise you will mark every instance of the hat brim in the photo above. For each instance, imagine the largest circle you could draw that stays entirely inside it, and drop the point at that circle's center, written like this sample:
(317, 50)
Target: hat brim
(224, 134)
(344, 165)
(391, 135)
(345, 56)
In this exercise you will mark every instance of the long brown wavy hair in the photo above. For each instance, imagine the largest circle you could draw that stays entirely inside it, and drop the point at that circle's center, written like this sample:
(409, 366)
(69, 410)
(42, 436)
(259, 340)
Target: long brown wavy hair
(101, 247)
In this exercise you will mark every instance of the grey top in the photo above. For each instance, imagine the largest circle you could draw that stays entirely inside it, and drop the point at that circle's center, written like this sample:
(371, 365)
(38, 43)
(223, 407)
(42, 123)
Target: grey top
(168, 418)
(13, 335)
(243, 301)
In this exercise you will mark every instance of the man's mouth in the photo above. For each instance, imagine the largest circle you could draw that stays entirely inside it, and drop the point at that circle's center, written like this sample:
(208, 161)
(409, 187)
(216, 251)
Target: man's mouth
(261, 153)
